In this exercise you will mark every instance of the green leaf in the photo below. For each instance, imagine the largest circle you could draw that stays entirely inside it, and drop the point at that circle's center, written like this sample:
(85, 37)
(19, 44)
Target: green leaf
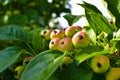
(89, 52)
(43, 65)
(114, 8)
(90, 7)
(74, 72)
(72, 18)
(91, 33)
(117, 36)
(97, 21)
(39, 43)
(14, 32)
(8, 56)
(116, 39)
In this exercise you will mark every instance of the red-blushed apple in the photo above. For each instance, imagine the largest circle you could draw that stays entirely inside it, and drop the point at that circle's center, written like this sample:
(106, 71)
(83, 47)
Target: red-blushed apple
(110, 21)
(100, 63)
(79, 27)
(65, 44)
(113, 74)
(80, 39)
(53, 45)
(57, 33)
(65, 28)
(27, 60)
(70, 31)
(46, 33)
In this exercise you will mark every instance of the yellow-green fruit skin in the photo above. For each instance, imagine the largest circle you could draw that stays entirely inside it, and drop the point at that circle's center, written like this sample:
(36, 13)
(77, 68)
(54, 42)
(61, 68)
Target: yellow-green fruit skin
(27, 60)
(65, 44)
(16, 12)
(53, 45)
(80, 39)
(57, 33)
(70, 31)
(66, 60)
(19, 71)
(9, 13)
(113, 74)
(46, 34)
(100, 63)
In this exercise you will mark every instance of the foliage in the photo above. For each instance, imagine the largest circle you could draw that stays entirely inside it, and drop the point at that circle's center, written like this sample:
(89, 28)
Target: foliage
(18, 43)
(31, 13)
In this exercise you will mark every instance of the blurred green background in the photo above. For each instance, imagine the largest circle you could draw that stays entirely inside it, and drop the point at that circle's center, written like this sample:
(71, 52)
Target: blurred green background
(32, 13)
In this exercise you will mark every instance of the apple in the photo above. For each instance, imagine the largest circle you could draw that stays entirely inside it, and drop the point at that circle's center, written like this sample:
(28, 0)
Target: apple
(16, 12)
(70, 31)
(113, 74)
(18, 72)
(79, 27)
(80, 39)
(110, 21)
(100, 63)
(32, 3)
(57, 33)
(65, 28)
(9, 13)
(46, 33)
(27, 60)
(53, 45)
(66, 60)
(65, 44)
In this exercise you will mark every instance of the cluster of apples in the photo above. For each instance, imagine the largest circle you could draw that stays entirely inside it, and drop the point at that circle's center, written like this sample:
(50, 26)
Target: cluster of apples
(101, 64)
(66, 39)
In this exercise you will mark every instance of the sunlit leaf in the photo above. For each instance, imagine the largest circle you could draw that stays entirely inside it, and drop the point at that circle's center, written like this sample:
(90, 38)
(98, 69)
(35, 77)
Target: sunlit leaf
(39, 43)
(118, 45)
(91, 34)
(90, 52)
(90, 7)
(97, 21)
(72, 18)
(114, 8)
